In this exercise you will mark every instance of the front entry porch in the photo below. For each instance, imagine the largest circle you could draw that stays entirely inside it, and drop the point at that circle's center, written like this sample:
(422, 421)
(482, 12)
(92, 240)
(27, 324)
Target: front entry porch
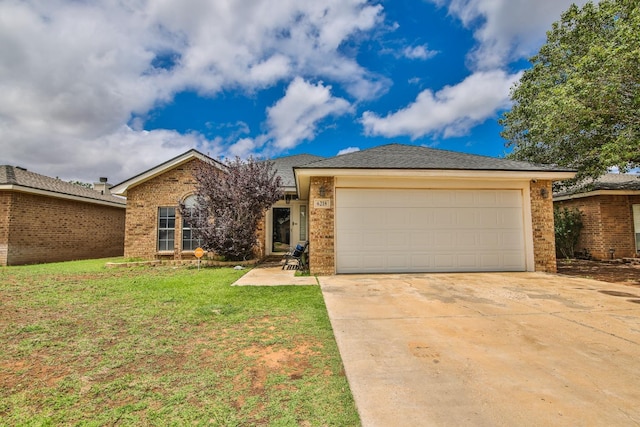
(286, 226)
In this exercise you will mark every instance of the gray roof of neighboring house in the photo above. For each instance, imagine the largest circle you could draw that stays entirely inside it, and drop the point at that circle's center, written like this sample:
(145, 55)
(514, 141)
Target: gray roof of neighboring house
(610, 181)
(399, 156)
(15, 176)
(284, 166)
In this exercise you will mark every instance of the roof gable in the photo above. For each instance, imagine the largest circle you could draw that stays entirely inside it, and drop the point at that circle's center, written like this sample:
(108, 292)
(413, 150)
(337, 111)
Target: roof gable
(19, 179)
(183, 158)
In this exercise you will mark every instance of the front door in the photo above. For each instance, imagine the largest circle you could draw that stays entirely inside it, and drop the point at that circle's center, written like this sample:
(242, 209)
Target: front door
(281, 227)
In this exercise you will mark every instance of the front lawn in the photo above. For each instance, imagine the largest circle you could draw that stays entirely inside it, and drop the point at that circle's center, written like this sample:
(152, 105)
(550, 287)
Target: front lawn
(82, 344)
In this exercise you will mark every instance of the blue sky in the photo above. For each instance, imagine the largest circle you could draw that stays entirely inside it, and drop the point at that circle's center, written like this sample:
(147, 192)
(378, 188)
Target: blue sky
(107, 88)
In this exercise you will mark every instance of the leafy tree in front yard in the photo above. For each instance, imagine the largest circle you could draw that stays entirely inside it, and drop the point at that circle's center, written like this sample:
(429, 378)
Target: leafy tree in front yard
(568, 224)
(230, 205)
(579, 104)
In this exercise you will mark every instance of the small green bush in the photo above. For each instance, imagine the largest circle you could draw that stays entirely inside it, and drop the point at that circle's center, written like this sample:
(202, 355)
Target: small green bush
(568, 224)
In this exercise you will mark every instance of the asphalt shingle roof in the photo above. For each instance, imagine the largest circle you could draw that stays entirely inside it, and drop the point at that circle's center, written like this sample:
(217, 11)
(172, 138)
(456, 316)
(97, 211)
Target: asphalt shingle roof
(399, 156)
(11, 175)
(610, 181)
(284, 166)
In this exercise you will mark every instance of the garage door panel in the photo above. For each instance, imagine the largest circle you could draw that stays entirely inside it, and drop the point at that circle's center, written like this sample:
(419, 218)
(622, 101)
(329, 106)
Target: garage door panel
(397, 218)
(444, 240)
(429, 230)
(511, 218)
(374, 240)
(443, 261)
(398, 261)
(511, 262)
(443, 217)
(486, 199)
(467, 217)
(420, 217)
(467, 239)
(490, 261)
(421, 240)
(373, 262)
(512, 199)
(398, 241)
(421, 258)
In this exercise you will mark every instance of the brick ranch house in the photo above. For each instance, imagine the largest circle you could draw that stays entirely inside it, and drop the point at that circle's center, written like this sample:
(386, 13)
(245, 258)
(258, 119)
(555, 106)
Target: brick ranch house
(610, 209)
(392, 208)
(44, 219)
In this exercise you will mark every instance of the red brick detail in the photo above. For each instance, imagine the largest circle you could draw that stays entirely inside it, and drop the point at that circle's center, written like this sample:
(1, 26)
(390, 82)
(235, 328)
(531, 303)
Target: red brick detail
(608, 224)
(322, 228)
(37, 229)
(544, 241)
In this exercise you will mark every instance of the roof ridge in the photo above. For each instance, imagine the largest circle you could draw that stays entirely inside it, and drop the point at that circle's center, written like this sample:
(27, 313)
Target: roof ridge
(28, 179)
(410, 156)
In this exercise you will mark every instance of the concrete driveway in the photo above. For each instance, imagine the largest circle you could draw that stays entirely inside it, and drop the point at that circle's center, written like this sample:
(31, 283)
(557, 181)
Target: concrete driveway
(494, 349)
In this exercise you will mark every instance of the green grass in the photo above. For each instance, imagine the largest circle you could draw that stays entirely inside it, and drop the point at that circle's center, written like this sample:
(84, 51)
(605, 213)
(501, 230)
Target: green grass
(84, 345)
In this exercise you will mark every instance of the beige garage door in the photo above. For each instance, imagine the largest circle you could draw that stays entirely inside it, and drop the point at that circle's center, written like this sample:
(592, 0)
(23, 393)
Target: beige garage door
(381, 231)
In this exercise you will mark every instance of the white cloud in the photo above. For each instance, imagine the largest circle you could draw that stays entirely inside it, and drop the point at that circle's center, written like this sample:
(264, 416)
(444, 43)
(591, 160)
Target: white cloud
(294, 118)
(118, 155)
(506, 29)
(452, 111)
(73, 74)
(419, 52)
(348, 150)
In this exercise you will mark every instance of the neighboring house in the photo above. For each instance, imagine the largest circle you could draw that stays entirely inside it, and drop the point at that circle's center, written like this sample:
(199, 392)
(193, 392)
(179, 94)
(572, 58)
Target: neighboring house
(44, 219)
(610, 209)
(393, 208)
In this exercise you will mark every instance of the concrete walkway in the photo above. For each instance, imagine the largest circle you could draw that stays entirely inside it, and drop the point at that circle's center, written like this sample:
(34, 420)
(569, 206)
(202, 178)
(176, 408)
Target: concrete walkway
(273, 276)
(495, 349)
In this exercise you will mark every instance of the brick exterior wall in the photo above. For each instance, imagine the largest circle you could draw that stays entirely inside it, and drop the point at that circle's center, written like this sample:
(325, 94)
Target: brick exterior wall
(143, 201)
(608, 224)
(5, 207)
(37, 229)
(544, 241)
(321, 228)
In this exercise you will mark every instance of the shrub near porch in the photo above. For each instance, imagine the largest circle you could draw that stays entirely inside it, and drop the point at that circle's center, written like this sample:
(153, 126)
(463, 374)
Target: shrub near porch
(156, 346)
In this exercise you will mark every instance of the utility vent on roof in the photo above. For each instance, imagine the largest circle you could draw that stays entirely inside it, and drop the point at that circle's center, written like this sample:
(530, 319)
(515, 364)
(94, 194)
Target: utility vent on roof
(103, 186)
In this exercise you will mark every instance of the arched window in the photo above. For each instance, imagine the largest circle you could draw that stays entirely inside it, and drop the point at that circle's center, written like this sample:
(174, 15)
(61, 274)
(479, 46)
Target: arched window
(189, 243)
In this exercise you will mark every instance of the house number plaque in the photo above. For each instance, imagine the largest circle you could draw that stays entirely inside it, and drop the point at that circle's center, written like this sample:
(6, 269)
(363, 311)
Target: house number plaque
(322, 203)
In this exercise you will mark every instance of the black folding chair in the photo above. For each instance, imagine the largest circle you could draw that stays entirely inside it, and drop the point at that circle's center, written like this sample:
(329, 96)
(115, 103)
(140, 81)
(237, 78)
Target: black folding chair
(297, 254)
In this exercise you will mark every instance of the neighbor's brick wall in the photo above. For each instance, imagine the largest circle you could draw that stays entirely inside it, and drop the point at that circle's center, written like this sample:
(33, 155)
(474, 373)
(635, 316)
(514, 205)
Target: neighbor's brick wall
(544, 243)
(591, 234)
(608, 224)
(5, 208)
(321, 229)
(48, 229)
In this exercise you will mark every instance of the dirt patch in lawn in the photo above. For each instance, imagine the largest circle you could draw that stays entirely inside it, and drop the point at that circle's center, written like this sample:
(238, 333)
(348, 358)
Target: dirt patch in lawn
(626, 274)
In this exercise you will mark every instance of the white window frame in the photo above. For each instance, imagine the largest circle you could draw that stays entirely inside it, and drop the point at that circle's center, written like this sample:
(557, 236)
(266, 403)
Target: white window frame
(165, 218)
(189, 203)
